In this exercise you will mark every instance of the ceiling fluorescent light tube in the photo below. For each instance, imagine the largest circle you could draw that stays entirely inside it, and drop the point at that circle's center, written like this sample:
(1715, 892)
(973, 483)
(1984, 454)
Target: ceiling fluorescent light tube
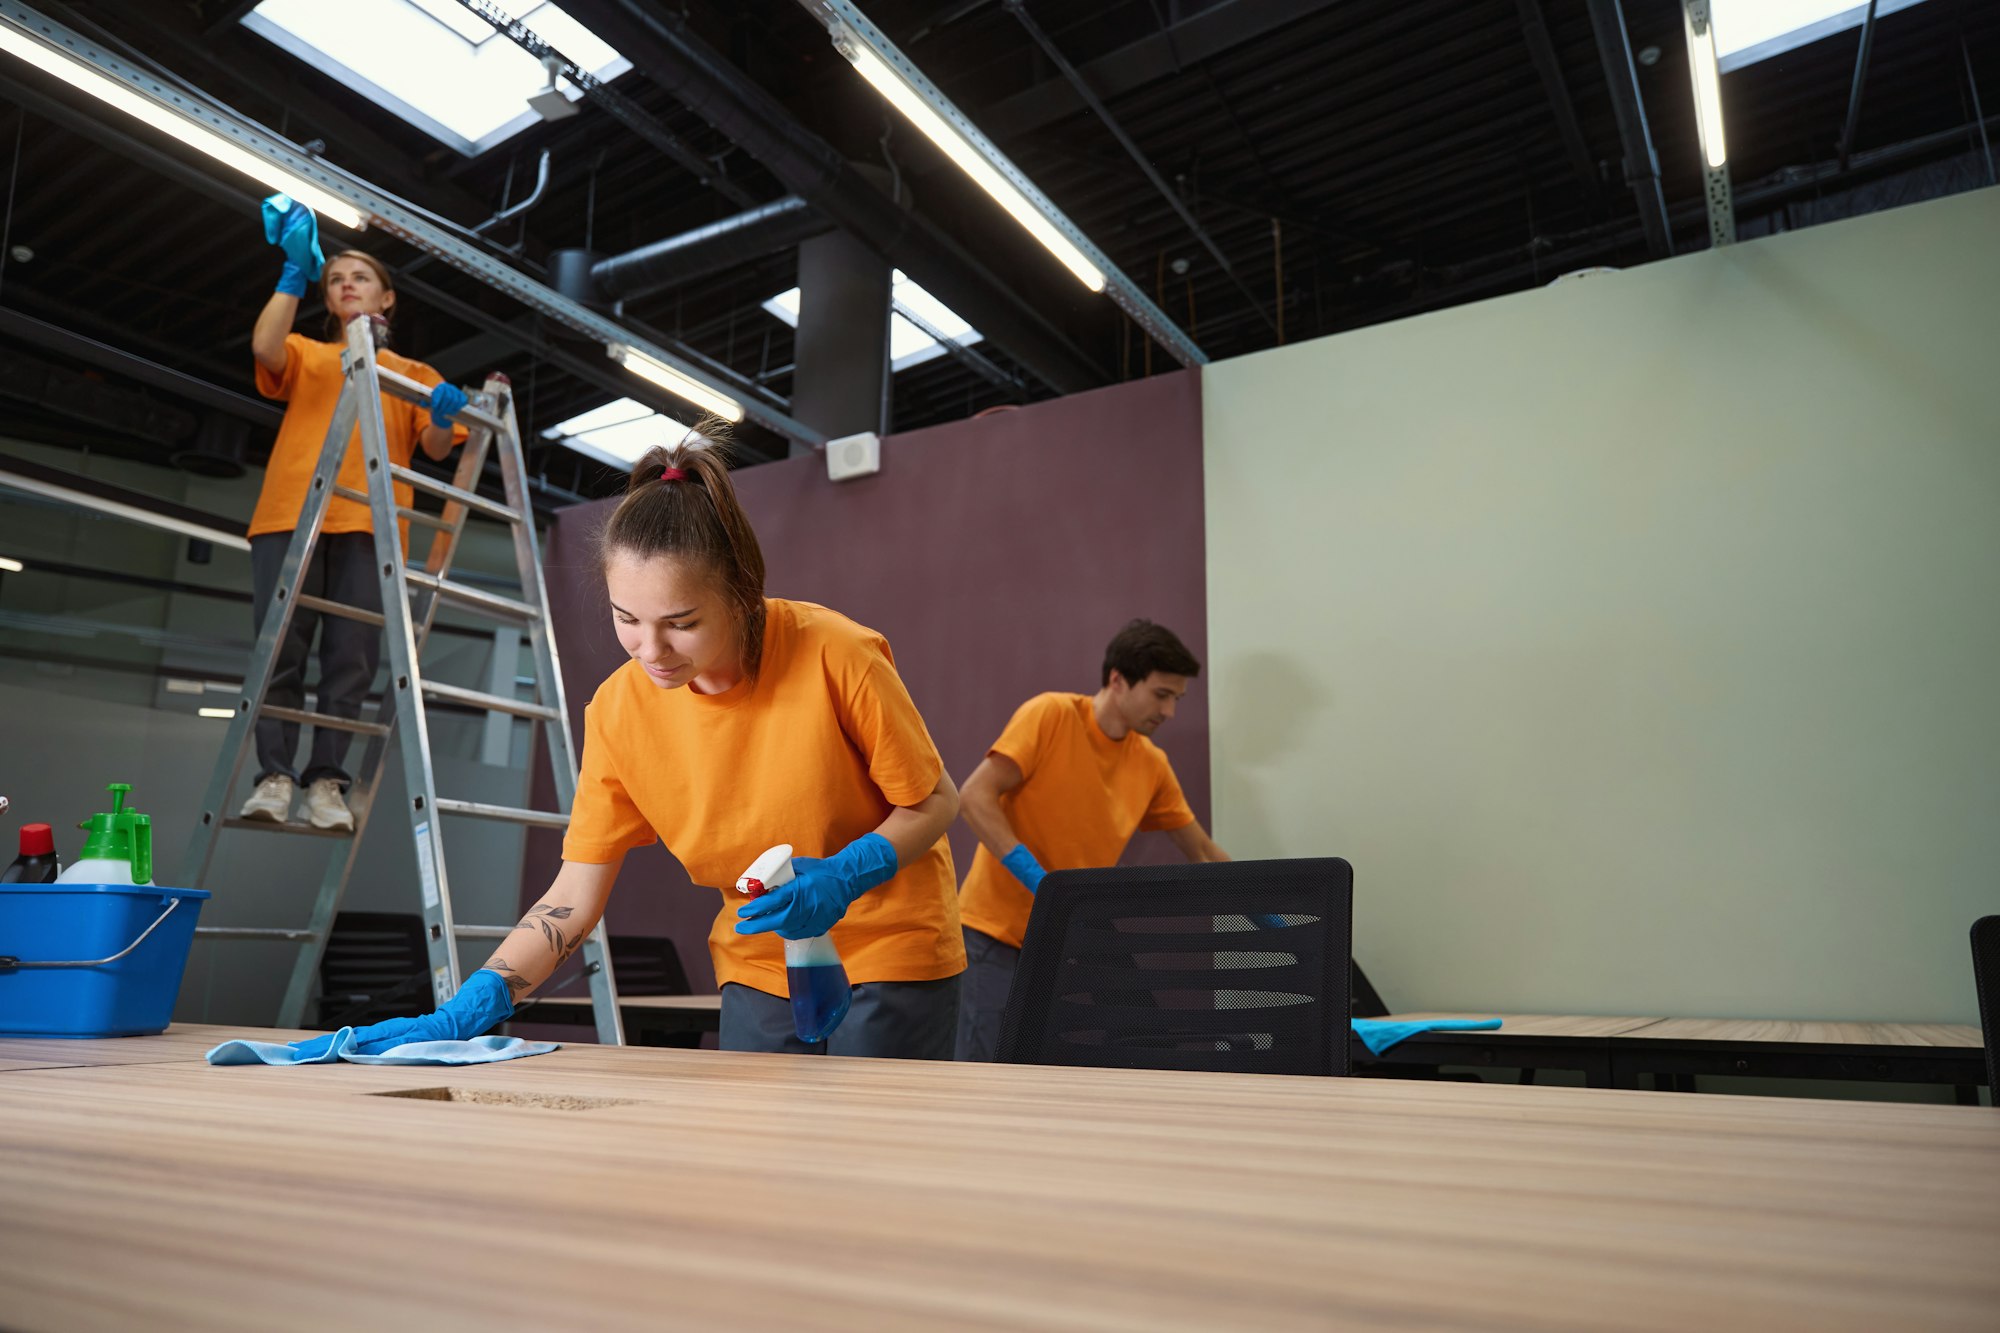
(674, 382)
(11, 565)
(60, 64)
(919, 112)
(1707, 82)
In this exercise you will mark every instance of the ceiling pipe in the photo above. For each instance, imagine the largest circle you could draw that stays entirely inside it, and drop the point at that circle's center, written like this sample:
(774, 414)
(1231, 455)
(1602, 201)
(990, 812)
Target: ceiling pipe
(1642, 164)
(740, 239)
(662, 46)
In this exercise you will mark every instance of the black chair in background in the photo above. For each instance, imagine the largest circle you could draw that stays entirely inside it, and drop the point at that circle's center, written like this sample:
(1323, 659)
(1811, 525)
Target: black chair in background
(647, 965)
(1240, 966)
(1986, 978)
(375, 966)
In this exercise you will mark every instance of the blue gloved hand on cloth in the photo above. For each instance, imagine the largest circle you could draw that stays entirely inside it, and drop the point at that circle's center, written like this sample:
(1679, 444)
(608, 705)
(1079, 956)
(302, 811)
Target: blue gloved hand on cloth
(1022, 864)
(481, 1003)
(1378, 1035)
(338, 1047)
(447, 401)
(292, 227)
(821, 890)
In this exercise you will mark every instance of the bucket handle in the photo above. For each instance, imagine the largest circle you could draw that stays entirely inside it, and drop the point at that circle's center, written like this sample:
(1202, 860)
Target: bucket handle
(10, 964)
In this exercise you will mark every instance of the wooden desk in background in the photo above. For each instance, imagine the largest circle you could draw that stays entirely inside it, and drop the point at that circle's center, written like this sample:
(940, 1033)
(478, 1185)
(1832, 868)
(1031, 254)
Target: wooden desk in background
(1614, 1052)
(697, 1189)
(650, 1020)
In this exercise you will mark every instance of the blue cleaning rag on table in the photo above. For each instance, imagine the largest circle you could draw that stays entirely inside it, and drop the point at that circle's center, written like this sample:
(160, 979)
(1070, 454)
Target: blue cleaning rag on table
(1378, 1035)
(478, 1051)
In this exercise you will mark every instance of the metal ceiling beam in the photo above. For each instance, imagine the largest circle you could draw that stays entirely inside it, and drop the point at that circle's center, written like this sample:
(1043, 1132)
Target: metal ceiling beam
(1075, 79)
(662, 47)
(779, 225)
(1642, 164)
(386, 213)
(1219, 28)
(1548, 67)
(191, 388)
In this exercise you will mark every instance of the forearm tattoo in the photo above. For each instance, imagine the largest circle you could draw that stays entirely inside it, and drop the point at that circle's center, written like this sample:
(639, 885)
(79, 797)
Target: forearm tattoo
(517, 985)
(546, 919)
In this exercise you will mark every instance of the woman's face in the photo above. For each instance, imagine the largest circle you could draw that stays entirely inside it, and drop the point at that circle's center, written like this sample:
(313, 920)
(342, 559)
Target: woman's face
(672, 622)
(353, 289)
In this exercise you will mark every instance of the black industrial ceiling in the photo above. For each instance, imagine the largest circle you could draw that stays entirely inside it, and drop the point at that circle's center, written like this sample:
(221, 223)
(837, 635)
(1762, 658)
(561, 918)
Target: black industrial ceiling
(1354, 161)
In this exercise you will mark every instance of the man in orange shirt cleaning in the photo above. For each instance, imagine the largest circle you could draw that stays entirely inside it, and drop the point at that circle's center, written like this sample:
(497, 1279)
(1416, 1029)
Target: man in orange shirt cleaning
(1068, 783)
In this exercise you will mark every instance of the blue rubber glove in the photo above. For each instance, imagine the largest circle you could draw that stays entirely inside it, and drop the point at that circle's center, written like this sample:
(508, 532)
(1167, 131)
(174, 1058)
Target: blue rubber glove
(820, 891)
(481, 1003)
(293, 228)
(1025, 867)
(447, 401)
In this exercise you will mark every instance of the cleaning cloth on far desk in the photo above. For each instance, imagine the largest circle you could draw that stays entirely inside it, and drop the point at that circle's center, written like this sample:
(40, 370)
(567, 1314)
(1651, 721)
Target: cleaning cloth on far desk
(1378, 1035)
(478, 1051)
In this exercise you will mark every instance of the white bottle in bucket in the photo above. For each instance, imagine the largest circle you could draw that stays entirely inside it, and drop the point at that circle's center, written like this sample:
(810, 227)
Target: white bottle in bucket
(813, 970)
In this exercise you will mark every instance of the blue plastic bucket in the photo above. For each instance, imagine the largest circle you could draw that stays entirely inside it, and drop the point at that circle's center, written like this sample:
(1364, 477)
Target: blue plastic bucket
(92, 960)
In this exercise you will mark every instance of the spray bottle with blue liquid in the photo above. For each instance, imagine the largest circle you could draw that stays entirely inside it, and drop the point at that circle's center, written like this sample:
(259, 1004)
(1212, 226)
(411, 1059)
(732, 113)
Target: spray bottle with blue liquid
(813, 970)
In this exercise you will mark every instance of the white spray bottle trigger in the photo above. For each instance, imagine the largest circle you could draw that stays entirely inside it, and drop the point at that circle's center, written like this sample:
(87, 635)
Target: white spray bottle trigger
(770, 871)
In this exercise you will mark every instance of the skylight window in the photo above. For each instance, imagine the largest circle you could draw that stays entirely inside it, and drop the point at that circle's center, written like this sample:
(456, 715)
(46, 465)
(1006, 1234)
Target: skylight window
(909, 345)
(435, 63)
(617, 434)
(1747, 31)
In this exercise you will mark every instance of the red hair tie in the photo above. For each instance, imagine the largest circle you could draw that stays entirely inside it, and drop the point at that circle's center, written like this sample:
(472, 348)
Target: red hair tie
(673, 474)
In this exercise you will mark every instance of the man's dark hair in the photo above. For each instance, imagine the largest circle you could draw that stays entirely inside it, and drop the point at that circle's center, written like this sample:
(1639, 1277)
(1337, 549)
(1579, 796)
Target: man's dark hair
(1142, 648)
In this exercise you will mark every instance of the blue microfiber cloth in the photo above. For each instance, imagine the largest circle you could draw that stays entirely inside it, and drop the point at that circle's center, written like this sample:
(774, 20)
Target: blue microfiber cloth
(478, 1051)
(1378, 1035)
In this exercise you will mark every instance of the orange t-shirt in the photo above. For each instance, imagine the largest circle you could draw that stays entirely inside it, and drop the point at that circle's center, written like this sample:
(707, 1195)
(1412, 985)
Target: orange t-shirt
(310, 384)
(814, 752)
(1082, 797)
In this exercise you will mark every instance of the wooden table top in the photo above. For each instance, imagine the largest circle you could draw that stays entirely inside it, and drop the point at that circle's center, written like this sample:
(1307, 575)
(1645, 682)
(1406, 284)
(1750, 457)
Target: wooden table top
(1582, 1026)
(1954, 1036)
(698, 1189)
(1949, 1036)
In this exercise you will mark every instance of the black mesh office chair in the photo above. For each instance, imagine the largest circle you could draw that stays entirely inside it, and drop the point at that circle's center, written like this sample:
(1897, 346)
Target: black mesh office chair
(1986, 979)
(1237, 966)
(647, 965)
(375, 966)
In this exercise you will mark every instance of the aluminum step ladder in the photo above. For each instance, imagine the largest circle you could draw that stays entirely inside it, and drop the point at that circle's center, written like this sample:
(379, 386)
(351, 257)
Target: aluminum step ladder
(410, 601)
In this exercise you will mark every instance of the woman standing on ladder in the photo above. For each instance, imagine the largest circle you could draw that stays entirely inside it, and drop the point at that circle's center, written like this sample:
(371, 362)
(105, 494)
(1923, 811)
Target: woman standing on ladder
(306, 375)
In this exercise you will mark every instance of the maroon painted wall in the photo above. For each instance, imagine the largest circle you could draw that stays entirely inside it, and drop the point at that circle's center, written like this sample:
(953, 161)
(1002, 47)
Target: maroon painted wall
(997, 555)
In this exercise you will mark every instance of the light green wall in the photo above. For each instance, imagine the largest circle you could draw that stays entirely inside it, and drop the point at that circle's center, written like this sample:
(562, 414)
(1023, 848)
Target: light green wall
(1637, 639)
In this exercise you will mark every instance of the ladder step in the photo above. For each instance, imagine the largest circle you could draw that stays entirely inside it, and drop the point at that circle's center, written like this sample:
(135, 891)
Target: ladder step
(491, 702)
(288, 826)
(251, 933)
(484, 932)
(478, 504)
(493, 604)
(305, 719)
(506, 813)
(402, 511)
(411, 391)
(341, 609)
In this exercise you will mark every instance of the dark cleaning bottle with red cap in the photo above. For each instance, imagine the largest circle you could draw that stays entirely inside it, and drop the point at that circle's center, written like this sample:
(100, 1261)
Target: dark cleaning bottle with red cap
(38, 862)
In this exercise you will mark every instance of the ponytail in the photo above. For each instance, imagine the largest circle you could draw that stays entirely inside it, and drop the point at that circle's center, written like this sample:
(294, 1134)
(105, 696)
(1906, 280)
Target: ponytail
(681, 504)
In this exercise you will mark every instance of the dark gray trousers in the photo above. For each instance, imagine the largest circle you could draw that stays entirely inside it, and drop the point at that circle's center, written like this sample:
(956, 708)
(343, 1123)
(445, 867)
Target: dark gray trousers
(893, 1020)
(989, 974)
(342, 570)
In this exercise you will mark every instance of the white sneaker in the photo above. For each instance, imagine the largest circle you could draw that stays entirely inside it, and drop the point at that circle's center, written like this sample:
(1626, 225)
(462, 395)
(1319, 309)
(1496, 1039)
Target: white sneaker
(272, 800)
(326, 808)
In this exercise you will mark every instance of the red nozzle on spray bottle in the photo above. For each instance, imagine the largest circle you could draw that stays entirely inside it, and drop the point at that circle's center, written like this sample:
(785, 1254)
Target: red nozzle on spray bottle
(813, 970)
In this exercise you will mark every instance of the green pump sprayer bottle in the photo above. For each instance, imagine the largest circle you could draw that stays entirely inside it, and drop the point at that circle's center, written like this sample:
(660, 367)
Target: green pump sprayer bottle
(119, 849)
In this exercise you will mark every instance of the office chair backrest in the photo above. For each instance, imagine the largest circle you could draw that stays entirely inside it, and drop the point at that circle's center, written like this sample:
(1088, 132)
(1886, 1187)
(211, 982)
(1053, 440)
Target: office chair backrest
(375, 966)
(647, 965)
(1237, 966)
